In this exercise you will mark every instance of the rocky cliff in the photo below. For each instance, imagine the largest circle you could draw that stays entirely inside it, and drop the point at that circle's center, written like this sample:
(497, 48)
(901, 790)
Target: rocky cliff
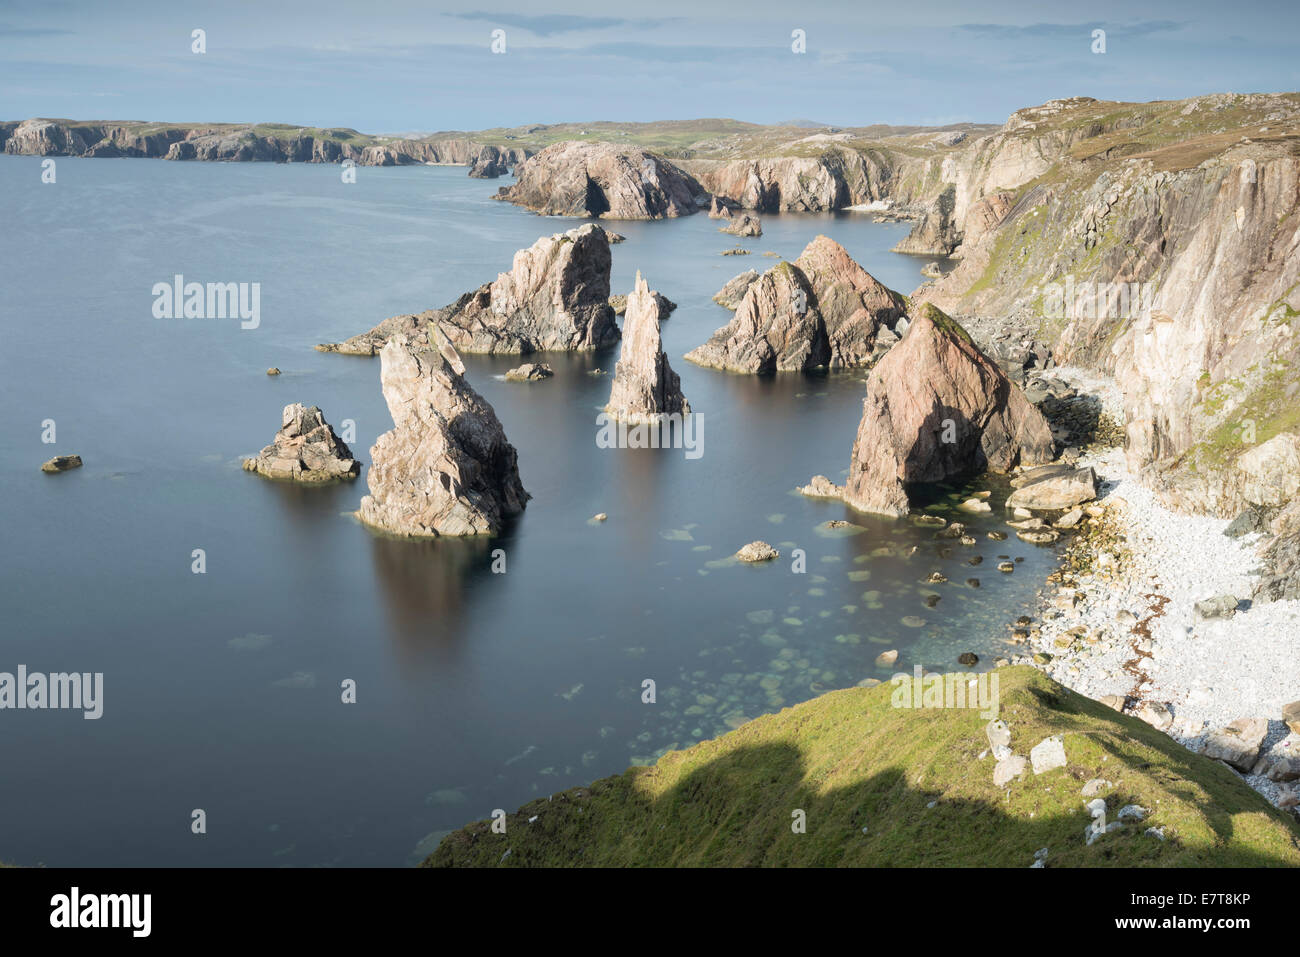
(645, 386)
(446, 467)
(272, 143)
(821, 310)
(938, 408)
(603, 180)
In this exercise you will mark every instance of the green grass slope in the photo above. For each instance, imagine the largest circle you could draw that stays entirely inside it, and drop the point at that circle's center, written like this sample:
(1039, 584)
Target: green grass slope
(864, 772)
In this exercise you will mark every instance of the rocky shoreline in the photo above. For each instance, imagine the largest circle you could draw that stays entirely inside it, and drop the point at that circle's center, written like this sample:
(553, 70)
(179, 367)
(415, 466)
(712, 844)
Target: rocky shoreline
(1119, 622)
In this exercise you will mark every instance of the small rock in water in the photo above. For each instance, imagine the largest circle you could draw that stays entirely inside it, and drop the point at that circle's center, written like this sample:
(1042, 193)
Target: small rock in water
(530, 372)
(968, 658)
(1006, 566)
(599, 517)
(886, 658)
(61, 463)
(273, 371)
(757, 552)
(998, 536)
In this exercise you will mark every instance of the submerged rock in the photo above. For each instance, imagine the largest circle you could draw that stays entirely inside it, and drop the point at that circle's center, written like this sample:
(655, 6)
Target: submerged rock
(822, 310)
(645, 386)
(304, 450)
(62, 463)
(446, 467)
(937, 408)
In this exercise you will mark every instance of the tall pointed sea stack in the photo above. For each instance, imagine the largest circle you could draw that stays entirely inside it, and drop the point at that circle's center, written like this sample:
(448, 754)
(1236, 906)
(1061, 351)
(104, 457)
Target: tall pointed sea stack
(936, 408)
(446, 467)
(645, 386)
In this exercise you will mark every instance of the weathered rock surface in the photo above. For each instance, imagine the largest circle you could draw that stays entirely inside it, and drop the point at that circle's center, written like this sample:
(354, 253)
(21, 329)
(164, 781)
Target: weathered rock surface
(757, 552)
(1238, 743)
(304, 450)
(743, 224)
(732, 294)
(554, 298)
(489, 164)
(411, 325)
(666, 305)
(446, 467)
(819, 486)
(602, 180)
(821, 310)
(530, 372)
(62, 463)
(1062, 489)
(937, 407)
(645, 386)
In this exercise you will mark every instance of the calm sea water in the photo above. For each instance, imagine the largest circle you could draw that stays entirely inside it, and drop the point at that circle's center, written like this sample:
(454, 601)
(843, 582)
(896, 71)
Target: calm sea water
(475, 690)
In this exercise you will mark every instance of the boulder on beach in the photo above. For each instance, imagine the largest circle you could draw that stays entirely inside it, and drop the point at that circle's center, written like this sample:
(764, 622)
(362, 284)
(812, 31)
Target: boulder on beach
(1054, 488)
(304, 450)
(822, 310)
(446, 467)
(938, 408)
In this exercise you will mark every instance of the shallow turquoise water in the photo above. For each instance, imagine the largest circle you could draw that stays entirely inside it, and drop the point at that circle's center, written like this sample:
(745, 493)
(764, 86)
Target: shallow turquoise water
(474, 690)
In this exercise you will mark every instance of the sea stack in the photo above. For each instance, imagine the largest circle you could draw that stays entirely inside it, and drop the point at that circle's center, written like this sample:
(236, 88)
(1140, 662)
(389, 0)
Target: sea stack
(645, 386)
(938, 408)
(821, 311)
(304, 450)
(446, 467)
(555, 298)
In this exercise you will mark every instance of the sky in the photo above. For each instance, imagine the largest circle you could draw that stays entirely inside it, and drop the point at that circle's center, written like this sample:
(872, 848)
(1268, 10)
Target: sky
(400, 66)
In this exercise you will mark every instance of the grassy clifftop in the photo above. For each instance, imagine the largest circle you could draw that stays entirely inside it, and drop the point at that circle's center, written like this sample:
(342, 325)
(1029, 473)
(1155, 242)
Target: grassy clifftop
(865, 773)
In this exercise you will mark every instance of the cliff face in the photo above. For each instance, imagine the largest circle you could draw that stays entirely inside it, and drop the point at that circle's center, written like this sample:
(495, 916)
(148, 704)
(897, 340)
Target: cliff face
(832, 180)
(1175, 268)
(602, 180)
(236, 143)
